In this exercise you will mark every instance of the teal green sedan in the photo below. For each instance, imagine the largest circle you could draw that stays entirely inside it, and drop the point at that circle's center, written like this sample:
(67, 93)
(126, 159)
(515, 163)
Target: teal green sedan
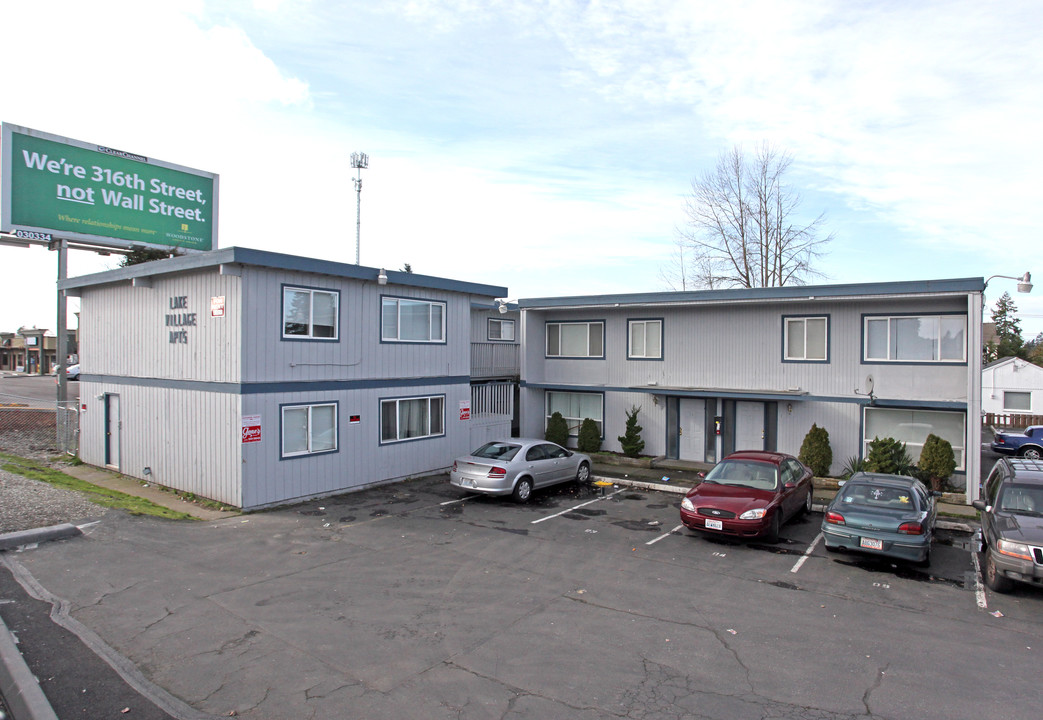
(885, 515)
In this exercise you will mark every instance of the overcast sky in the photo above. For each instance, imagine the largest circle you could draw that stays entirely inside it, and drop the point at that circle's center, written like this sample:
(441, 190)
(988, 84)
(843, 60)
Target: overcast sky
(548, 146)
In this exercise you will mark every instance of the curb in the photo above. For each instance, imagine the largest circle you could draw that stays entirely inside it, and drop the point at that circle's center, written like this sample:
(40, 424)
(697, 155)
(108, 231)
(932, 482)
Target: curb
(18, 685)
(10, 541)
(817, 507)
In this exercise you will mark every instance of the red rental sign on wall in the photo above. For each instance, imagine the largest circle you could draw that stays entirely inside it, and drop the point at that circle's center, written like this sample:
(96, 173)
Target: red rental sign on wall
(251, 428)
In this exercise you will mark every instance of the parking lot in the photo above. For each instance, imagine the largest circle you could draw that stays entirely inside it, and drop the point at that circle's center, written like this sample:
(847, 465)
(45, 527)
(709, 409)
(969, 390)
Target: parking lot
(414, 600)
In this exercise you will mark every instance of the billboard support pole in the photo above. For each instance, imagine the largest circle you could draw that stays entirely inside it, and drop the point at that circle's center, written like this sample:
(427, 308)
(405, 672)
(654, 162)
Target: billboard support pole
(61, 352)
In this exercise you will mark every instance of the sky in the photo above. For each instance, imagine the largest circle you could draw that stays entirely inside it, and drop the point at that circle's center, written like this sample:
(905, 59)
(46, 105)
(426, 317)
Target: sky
(549, 146)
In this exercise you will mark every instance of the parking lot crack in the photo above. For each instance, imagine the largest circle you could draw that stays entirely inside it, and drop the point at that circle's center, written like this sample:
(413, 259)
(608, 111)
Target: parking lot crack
(877, 682)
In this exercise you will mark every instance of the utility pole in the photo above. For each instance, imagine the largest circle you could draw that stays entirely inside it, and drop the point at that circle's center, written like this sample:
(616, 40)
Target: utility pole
(359, 161)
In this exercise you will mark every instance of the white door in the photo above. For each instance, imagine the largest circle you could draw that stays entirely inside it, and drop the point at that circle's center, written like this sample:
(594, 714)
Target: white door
(749, 426)
(112, 431)
(693, 430)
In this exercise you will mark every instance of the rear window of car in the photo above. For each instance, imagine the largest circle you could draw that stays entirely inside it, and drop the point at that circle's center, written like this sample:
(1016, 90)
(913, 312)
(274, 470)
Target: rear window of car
(497, 451)
(1021, 499)
(745, 473)
(879, 496)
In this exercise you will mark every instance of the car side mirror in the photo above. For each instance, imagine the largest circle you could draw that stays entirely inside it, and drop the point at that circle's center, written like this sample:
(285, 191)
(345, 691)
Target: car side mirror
(790, 485)
(701, 475)
(979, 505)
(841, 483)
(936, 493)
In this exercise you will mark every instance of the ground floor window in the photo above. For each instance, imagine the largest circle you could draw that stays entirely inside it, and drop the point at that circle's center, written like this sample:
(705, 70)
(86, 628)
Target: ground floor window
(412, 418)
(1017, 401)
(309, 429)
(574, 407)
(912, 428)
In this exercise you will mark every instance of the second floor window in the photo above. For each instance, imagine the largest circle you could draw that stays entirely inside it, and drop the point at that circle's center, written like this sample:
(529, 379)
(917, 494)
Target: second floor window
(916, 338)
(308, 313)
(645, 339)
(501, 329)
(406, 320)
(576, 339)
(806, 338)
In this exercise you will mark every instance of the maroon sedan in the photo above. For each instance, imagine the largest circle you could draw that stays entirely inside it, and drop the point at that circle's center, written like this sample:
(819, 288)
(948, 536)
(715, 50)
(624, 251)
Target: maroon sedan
(749, 494)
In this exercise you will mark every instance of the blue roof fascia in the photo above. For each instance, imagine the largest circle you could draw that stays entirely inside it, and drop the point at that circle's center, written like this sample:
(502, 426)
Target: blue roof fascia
(277, 261)
(788, 292)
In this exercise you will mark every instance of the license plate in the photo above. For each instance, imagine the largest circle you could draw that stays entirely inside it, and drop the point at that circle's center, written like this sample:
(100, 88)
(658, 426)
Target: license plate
(714, 525)
(872, 544)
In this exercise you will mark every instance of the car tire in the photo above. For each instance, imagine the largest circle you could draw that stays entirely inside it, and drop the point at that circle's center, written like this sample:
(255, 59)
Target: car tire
(926, 562)
(583, 473)
(993, 578)
(522, 490)
(806, 507)
(772, 535)
(831, 548)
(1032, 453)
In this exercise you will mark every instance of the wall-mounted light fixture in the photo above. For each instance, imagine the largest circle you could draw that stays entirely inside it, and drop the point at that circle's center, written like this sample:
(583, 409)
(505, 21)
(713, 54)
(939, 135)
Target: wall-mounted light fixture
(382, 278)
(1024, 282)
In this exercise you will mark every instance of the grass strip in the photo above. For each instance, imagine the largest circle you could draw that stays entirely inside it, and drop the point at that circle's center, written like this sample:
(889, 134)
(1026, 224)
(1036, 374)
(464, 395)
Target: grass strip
(98, 495)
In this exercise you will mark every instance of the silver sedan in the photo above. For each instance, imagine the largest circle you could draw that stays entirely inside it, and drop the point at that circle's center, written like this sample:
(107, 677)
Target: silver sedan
(517, 466)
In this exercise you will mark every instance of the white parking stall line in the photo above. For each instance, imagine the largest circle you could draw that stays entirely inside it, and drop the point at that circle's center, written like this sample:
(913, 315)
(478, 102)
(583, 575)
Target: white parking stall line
(979, 591)
(653, 542)
(576, 507)
(807, 553)
(454, 502)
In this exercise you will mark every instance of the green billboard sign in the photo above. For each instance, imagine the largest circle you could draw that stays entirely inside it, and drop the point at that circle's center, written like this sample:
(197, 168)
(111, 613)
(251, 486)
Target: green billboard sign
(75, 190)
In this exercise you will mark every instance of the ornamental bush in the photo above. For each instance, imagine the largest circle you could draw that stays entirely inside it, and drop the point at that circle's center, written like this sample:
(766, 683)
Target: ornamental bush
(815, 451)
(887, 455)
(557, 429)
(937, 461)
(589, 437)
(631, 438)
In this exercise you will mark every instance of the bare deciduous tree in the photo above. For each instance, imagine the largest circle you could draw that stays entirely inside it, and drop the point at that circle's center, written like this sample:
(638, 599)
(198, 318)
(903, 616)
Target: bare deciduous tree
(741, 229)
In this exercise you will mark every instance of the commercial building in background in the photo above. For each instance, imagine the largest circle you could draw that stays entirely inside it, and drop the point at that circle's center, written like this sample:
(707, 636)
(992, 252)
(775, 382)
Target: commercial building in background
(723, 370)
(257, 378)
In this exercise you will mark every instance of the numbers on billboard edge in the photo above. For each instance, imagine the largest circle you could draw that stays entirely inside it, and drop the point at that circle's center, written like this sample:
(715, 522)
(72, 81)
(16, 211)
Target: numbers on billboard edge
(31, 235)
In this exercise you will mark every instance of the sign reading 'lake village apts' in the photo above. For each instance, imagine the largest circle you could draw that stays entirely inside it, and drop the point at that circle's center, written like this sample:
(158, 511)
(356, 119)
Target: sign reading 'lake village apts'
(94, 193)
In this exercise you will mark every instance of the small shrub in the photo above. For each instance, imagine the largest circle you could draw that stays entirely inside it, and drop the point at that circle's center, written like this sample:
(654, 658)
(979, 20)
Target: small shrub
(589, 437)
(631, 440)
(815, 451)
(853, 465)
(937, 461)
(887, 455)
(557, 429)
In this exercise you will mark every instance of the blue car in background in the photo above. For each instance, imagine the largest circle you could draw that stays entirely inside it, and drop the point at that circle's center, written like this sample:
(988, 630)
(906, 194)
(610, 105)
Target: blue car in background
(1027, 444)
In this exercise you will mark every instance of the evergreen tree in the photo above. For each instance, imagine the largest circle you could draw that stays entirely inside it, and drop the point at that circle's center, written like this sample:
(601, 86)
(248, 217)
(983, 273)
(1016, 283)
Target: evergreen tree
(1008, 331)
(557, 429)
(631, 439)
(815, 451)
(589, 440)
(146, 254)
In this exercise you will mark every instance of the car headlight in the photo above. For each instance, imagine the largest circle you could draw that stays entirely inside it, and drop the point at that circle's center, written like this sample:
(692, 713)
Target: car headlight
(755, 514)
(687, 505)
(1013, 549)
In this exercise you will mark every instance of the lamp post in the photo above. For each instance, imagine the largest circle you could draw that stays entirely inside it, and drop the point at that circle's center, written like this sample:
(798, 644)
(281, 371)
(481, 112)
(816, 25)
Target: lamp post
(1024, 282)
(359, 161)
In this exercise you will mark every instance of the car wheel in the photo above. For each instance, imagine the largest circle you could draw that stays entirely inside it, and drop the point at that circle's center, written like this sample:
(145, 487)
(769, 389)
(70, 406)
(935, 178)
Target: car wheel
(1032, 453)
(523, 490)
(926, 562)
(831, 548)
(806, 507)
(583, 474)
(772, 535)
(993, 578)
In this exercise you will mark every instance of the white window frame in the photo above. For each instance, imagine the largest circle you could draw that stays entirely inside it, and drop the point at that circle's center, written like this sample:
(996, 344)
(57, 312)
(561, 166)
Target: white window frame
(502, 324)
(1010, 408)
(575, 422)
(555, 328)
(397, 402)
(891, 330)
(311, 292)
(645, 326)
(386, 302)
(803, 322)
(912, 447)
(311, 449)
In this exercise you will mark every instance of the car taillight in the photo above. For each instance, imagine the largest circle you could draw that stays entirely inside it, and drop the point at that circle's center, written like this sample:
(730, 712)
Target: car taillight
(910, 528)
(1000, 439)
(498, 473)
(835, 518)
(454, 465)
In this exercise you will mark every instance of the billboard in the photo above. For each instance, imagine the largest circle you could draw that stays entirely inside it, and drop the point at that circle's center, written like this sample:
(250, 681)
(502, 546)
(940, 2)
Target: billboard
(51, 185)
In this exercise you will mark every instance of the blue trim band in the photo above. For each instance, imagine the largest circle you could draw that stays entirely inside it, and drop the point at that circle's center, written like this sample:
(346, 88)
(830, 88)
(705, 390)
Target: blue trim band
(268, 388)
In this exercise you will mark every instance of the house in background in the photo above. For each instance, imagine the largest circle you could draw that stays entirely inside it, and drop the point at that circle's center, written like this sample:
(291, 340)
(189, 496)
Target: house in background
(255, 378)
(723, 370)
(1012, 386)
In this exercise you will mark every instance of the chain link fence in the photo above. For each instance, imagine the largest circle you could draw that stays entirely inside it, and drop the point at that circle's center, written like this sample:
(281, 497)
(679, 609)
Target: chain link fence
(31, 427)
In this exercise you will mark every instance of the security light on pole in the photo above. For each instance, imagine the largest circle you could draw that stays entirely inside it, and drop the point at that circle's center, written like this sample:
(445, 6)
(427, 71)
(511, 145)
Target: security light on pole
(359, 161)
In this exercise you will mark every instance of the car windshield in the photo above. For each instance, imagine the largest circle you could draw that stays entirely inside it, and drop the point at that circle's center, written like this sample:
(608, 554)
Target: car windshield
(745, 473)
(497, 451)
(1022, 500)
(878, 496)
